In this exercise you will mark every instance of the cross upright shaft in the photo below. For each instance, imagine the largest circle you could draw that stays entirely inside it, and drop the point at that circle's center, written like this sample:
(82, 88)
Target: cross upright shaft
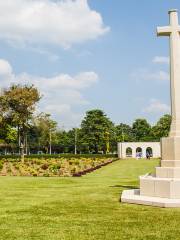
(173, 31)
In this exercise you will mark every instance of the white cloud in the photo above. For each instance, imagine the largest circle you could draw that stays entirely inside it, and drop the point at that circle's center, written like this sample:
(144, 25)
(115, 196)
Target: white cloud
(62, 22)
(61, 93)
(62, 81)
(161, 60)
(144, 74)
(68, 117)
(51, 56)
(5, 68)
(156, 106)
(159, 76)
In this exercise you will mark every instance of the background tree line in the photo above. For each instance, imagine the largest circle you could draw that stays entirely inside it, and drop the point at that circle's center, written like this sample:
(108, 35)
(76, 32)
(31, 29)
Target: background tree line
(23, 131)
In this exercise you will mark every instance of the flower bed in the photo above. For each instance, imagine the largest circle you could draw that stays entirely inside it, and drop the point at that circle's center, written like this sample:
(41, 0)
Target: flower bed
(62, 167)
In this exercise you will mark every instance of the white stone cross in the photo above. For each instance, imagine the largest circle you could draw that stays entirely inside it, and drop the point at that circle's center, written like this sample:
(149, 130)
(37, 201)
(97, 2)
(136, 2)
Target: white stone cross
(163, 189)
(173, 31)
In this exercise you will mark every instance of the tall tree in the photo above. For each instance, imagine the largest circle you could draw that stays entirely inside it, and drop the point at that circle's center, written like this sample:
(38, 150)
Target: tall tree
(63, 141)
(141, 130)
(17, 105)
(162, 128)
(47, 131)
(94, 129)
(124, 133)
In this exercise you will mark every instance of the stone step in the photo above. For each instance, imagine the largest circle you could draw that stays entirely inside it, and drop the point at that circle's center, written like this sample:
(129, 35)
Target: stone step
(168, 172)
(134, 197)
(160, 187)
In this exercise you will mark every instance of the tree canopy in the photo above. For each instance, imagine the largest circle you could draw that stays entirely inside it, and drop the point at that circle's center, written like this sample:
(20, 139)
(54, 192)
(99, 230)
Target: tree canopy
(97, 133)
(141, 130)
(94, 128)
(17, 105)
(162, 128)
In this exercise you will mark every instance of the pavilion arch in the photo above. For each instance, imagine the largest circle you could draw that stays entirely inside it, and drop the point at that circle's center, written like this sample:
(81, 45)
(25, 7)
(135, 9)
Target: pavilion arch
(149, 151)
(139, 152)
(129, 152)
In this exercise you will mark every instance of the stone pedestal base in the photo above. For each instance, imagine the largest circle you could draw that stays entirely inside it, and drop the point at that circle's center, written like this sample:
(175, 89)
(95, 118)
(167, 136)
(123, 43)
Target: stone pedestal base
(156, 191)
(134, 197)
(163, 189)
(160, 187)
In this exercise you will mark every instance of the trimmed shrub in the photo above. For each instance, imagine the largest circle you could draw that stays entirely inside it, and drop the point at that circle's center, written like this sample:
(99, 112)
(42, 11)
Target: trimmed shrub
(1, 165)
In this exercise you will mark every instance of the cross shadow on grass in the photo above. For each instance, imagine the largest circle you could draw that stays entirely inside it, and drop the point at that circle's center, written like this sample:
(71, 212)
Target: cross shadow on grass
(125, 186)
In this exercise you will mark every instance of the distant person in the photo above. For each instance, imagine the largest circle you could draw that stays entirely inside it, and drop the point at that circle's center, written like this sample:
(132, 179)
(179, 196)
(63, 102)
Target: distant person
(138, 155)
(148, 155)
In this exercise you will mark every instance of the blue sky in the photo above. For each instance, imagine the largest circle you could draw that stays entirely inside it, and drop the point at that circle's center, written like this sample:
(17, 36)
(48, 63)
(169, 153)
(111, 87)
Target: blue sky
(89, 54)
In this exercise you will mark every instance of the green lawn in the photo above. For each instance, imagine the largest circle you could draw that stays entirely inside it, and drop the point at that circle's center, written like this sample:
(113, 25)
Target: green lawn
(86, 208)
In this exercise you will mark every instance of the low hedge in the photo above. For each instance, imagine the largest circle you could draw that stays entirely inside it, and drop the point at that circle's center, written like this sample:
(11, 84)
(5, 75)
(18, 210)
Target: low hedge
(48, 156)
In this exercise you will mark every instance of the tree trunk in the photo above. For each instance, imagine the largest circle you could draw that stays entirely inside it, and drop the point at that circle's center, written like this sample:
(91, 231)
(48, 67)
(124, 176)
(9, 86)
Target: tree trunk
(22, 152)
(96, 148)
(22, 144)
(50, 142)
(19, 141)
(26, 143)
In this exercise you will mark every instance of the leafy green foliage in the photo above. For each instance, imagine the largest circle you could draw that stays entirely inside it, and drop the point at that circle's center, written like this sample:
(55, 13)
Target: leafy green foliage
(1, 165)
(14, 158)
(162, 128)
(97, 133)
(17, 105)
(124, 133)
(141, 130)
(46, 128)
(93, 130)
(8, 134)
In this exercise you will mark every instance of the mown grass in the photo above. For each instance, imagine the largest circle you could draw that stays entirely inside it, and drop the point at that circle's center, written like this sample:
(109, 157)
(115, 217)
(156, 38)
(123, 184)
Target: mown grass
(86, 208)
